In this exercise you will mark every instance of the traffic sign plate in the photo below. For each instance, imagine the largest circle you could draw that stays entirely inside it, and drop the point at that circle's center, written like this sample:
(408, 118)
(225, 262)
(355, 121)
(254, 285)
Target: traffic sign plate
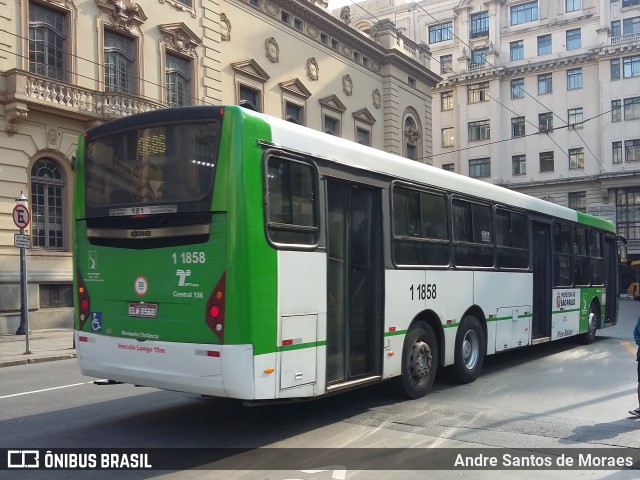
(21, 241)
(21, 216)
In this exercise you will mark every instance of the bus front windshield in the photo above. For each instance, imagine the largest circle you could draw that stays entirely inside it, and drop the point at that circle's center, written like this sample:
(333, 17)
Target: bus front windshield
(164, 169)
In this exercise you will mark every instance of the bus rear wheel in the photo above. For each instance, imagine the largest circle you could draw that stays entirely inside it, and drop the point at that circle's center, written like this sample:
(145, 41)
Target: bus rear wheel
(470, 350)
(590, 335)
(419, 360)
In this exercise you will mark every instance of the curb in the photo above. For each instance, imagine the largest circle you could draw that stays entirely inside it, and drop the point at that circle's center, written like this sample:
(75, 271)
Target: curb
(28, 361)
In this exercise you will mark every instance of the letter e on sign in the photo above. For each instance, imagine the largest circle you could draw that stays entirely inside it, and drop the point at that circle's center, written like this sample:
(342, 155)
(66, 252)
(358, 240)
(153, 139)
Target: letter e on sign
(21, 216)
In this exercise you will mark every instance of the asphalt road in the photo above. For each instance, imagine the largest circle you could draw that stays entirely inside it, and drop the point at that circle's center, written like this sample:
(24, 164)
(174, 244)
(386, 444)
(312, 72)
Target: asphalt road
(548, 396)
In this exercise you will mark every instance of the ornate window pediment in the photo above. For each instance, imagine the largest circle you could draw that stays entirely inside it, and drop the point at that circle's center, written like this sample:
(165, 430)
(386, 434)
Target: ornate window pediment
(333, 102)
(124, 14)
(251, 69)
(180, 38)
(364, 115)
(295, 87)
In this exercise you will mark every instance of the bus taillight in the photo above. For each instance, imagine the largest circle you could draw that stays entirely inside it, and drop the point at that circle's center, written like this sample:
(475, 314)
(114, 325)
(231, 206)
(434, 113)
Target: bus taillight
(215, 308)
(84, 304)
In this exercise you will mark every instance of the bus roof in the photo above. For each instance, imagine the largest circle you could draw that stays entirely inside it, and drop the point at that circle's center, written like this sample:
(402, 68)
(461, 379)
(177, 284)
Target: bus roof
(339, 150)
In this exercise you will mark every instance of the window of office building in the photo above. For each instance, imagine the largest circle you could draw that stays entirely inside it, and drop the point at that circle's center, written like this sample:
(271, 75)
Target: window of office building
(519, 165)
(545, 122)
(446, 101)
(632, 150)
(119, 63)
(446, 64)
(575, 117)
(479, 130)
(545, 84)
(631, 108)
(441, 32)
(573, 5)
(517, 88)
(574, 39)
(480, 167)
(576, 158)
(578, 201)
(574, 79)
(448, 137)
(178, 81)
(524, 13)
(478, 92)
(517, 127)
(516, 50)
(616, 152)
(546, 162)
(479, 24)
(544, 44)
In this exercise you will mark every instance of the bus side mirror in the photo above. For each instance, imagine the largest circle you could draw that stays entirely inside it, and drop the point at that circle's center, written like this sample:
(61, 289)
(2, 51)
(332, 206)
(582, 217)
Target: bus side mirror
(622, 250)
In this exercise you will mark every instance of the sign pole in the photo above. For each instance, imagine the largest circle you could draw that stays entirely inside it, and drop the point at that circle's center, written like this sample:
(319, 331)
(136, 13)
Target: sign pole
(21, 218)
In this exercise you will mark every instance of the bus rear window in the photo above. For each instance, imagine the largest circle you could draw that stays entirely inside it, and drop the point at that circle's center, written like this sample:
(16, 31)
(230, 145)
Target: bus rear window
(157, 169)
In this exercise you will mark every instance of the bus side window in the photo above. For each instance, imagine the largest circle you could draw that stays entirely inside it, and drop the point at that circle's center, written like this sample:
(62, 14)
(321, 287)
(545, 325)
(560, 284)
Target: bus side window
(292, 202)
(419, 228)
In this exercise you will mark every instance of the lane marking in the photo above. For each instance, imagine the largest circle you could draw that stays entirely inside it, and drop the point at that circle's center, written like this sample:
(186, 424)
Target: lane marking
(629, 347)
(44, 390)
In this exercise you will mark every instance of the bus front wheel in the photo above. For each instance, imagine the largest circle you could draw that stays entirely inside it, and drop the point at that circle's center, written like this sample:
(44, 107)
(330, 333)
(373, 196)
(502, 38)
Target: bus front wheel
(419, 360)
(470, 350)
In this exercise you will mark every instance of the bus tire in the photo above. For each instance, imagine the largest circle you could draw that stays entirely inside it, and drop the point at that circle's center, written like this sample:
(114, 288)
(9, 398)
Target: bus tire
(419, 360)
(470, 350)
(589, 336)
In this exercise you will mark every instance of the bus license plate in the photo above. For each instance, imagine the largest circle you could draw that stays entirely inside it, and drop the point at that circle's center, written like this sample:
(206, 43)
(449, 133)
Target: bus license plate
(144, 310)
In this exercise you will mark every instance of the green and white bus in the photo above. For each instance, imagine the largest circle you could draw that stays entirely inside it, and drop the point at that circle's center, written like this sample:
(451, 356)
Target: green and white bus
(223, 252)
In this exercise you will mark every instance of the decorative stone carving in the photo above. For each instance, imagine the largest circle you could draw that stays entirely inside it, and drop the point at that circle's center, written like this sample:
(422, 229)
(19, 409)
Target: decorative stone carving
(412, 135)
(377, 98)
(312, 69)
(272, 49)
(312, 30)
(123, 14)
(52, 136)
(13, 113)
(272, 9)
(180, 37)
(347, 85)
(345, 15)
(225, 28)
(181, 6)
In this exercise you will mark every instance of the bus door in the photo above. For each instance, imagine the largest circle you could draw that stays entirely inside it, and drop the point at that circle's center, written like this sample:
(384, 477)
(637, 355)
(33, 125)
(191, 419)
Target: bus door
(542, 284)
(354, 282)
(611, 279)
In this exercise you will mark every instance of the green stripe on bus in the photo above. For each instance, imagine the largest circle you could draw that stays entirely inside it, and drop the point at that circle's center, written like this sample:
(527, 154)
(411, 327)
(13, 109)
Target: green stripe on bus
(394, 333)
(596, 222)
(301, 346)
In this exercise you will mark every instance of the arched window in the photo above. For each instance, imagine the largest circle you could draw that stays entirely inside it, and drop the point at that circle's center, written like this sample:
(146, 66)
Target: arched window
(47, 204)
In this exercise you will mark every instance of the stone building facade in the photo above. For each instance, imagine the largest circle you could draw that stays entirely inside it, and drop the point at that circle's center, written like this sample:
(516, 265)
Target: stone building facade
(68, 65)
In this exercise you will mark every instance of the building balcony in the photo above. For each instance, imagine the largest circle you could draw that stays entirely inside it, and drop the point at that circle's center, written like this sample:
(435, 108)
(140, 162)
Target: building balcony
(622, 39)
(24, 92)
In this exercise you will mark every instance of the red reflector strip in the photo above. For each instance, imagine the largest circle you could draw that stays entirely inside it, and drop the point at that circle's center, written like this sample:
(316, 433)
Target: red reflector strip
(449, 322)
(491, 316)
(83, 339)
(287, 342)
(392, 329)
(208, 353)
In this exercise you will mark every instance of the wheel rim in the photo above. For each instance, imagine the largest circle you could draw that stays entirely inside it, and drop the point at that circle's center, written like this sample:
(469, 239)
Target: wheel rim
(420, 361)
(592, 324)
(470, 349)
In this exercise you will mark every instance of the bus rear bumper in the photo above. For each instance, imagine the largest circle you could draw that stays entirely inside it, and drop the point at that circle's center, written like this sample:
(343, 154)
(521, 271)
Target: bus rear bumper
(216, 370)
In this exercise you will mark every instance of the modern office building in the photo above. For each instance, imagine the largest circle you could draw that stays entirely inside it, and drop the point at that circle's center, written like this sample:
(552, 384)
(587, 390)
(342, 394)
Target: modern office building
(539, 96)
(68, 65)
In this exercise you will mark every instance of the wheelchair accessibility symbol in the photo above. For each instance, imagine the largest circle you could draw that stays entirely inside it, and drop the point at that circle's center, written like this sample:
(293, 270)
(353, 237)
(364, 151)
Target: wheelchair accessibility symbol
(96, 321)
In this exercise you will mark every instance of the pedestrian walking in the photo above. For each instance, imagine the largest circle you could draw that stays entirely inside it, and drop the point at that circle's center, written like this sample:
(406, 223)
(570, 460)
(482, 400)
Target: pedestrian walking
(636, 337)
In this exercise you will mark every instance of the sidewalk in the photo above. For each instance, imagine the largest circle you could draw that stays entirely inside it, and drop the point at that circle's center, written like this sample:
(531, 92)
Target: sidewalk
(45, 345)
